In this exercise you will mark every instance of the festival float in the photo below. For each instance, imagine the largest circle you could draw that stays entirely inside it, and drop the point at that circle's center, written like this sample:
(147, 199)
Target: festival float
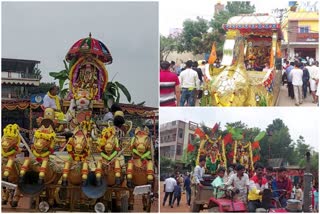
(252, 42)
(76, 163)
(220, 150)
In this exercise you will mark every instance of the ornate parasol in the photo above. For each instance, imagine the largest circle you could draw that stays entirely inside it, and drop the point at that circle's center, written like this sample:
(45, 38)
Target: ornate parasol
(91, 46)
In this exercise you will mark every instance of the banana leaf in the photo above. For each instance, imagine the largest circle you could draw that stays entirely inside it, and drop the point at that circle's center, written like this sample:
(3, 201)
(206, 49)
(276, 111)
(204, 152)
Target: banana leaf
(124, 90)
(260, 136)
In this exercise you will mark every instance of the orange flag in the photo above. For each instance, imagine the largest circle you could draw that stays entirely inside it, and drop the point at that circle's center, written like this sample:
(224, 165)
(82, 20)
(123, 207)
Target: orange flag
(213, 54)
(271, 58)
(278, 50)
(200, 133)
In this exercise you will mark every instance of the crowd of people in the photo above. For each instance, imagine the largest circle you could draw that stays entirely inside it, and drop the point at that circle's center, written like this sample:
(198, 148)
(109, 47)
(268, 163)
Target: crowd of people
(250, 186)
(174, 186)
(300, 76)
(181, 85)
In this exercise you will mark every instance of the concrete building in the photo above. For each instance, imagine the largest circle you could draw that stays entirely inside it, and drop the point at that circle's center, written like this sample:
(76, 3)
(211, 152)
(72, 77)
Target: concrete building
(17, 75)
(301, 34)
(174, 138)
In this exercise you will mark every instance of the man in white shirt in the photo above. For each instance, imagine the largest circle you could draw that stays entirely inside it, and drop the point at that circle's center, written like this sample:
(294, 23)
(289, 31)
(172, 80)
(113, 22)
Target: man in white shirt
(189, 83)
(296, 75)
(199, 171)
(169, 184)
(240, 180)
(51, 99)
(314, 76)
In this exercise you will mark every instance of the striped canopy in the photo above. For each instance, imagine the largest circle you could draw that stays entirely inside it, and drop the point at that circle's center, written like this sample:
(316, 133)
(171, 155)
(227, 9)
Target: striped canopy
(91, 46)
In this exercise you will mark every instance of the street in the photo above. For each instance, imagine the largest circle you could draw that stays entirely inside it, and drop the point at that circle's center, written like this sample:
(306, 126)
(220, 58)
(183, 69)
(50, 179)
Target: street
(183, 208)
(285, 100)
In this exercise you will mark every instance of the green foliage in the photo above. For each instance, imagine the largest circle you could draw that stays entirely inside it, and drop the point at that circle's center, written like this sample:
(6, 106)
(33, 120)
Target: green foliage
(278, 142)
(190, 157)
(41, 89)
(112, 93)
(194, 37)
(167, 45)
(167, 165)
(63, 76)
(232, 9)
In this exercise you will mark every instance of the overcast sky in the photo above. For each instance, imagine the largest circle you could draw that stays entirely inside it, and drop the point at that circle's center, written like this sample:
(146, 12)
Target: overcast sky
(45, 31)
(300, 121)
(173, 13)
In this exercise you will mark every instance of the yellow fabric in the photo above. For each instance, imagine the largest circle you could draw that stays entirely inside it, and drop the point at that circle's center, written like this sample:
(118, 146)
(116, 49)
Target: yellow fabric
(119, 113)
(254, 195)
(56, 98)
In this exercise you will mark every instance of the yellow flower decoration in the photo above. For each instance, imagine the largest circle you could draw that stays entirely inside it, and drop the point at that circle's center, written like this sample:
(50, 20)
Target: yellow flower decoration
(11, 130)
(69, 147)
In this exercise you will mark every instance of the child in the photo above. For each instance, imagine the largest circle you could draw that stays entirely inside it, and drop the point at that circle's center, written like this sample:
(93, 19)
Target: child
(176, 194)
(316, 200)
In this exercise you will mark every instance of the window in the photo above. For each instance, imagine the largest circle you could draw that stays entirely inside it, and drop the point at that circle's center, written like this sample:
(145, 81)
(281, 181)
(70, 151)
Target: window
(304, 29)
(180, 132)
(179, 150)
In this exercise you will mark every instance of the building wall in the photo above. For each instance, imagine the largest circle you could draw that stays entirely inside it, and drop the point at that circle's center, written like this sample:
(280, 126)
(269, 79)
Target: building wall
(174, 138)
(296, 42)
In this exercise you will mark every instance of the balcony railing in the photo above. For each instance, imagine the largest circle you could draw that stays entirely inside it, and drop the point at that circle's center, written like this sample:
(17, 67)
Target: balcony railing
(17, 75)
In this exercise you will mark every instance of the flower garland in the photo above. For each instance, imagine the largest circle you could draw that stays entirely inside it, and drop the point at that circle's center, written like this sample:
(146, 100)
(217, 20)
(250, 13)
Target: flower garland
(56, 100)
(224, 153)
(11, 130)
(235, 151)
(43, 134)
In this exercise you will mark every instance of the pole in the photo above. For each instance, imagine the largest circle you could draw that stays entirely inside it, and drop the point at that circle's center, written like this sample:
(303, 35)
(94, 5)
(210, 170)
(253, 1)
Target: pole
(307, 184)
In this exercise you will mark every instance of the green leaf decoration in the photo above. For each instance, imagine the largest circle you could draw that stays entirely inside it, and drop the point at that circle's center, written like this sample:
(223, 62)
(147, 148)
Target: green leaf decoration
(124, 90)
(260, 136)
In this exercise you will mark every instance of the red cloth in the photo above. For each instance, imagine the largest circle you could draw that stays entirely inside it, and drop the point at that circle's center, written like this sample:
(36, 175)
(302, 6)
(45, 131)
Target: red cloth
(215, 128)
(190, 147)
(285, 184)
(255, 179)
(199, 132)
(168, 77)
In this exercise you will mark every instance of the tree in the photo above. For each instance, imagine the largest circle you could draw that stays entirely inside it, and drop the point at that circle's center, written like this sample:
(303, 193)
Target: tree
(194, 36)
(167, 165)
(167, 45)
(41, 89)
(278, 142)
(232, 9)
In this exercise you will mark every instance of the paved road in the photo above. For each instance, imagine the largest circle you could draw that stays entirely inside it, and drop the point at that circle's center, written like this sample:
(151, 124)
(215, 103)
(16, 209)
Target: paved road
(285, 100)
